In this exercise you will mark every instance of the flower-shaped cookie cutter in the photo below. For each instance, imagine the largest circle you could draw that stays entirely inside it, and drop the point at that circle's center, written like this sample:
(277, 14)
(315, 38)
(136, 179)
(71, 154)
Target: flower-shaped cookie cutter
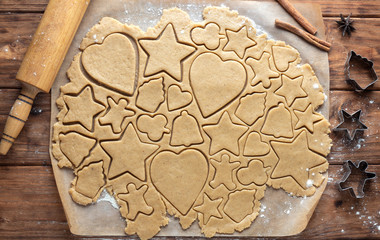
(355, 117)
(365, 176)
(351, 57)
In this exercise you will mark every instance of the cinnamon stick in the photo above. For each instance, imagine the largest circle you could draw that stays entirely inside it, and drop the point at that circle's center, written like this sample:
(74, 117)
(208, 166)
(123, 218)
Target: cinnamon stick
(305, 35)
(297, 16)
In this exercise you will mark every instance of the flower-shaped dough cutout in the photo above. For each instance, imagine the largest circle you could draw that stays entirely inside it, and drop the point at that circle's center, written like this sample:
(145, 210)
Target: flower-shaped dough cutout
(215, 115)
(207, 35)
(154, 126)
(255, 173)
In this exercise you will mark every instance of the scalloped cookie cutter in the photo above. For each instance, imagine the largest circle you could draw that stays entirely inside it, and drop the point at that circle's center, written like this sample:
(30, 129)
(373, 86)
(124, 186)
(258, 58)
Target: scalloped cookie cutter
(355, 117)
(353, 56)
(362, 166)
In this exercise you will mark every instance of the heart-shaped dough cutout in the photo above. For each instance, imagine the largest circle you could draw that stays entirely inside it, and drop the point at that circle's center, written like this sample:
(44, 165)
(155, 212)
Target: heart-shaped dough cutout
(113, 63)
(254, 146)
(179, 177)
(283, 56)
(177, 98)
(215, 82)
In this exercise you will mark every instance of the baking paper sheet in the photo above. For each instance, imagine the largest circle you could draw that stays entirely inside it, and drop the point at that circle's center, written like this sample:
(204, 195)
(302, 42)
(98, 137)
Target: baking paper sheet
(281, 214)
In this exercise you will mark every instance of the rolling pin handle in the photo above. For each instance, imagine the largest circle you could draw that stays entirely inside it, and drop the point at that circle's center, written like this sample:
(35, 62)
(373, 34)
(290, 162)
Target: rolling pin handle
(43, 60)
(17, 117)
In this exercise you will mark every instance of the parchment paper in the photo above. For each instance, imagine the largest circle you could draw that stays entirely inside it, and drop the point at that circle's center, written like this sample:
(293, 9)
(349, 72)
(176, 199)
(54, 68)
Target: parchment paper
(281, 214)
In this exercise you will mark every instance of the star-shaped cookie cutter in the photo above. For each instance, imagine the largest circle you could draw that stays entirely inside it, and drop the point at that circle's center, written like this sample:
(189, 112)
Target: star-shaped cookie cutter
(353, 56)
(355, 117)
(362, 166)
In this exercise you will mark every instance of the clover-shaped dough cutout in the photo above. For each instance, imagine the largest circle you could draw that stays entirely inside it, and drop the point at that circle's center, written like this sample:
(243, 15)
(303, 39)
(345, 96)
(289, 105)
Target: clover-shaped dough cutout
(255, 173)
(207, 36)
(154, 126)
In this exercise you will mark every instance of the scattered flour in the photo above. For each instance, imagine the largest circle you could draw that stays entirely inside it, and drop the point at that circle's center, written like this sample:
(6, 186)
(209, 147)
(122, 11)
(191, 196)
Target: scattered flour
(309, 183)
(106, 197)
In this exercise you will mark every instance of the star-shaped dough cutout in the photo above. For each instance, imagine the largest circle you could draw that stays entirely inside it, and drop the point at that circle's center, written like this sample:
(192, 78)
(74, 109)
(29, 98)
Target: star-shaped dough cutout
(116, 114)
(128, 154)
(238, 41)
(291, 89)
(262, 70)
(136, 201)
(307, 118)
(223, 172)
(295, 159)
(82, 108)
(165, 53)
(225, 135)
(209, 208)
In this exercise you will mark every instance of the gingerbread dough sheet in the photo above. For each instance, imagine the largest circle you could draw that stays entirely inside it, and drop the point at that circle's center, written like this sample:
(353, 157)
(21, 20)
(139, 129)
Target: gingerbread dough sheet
(206, 120)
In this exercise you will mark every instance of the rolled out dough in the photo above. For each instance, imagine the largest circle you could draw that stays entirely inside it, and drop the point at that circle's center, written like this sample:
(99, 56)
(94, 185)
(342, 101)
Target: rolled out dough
(191, 119)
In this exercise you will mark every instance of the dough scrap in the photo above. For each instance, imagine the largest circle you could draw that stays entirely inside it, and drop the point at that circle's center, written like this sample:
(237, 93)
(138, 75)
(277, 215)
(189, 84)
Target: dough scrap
(189, 119)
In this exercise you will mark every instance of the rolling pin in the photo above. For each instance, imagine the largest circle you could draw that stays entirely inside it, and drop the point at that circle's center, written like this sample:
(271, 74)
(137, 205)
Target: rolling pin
(42, 61)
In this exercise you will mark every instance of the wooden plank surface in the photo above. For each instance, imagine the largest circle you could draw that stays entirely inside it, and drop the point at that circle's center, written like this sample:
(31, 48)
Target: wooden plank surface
(34, 140)
(30, 207)
(362, 8)
(16, 30)
(29, 201)
(367, 145)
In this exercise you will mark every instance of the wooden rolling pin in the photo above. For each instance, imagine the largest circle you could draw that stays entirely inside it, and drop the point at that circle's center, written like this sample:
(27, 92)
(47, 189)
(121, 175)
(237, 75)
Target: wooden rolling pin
(43, 61)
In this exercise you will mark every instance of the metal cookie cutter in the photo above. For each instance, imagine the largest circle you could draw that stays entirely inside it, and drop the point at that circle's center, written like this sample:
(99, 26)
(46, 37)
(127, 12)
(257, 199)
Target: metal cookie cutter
(353, 56)
(355, 117)
(362, 166)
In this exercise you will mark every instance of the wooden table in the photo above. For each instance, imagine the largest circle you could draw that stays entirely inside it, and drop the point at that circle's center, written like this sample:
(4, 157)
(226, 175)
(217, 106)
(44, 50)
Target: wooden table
(29, 201)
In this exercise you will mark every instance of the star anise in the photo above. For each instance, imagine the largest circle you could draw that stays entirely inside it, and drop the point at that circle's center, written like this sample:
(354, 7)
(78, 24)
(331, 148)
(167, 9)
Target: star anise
(346, 24)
